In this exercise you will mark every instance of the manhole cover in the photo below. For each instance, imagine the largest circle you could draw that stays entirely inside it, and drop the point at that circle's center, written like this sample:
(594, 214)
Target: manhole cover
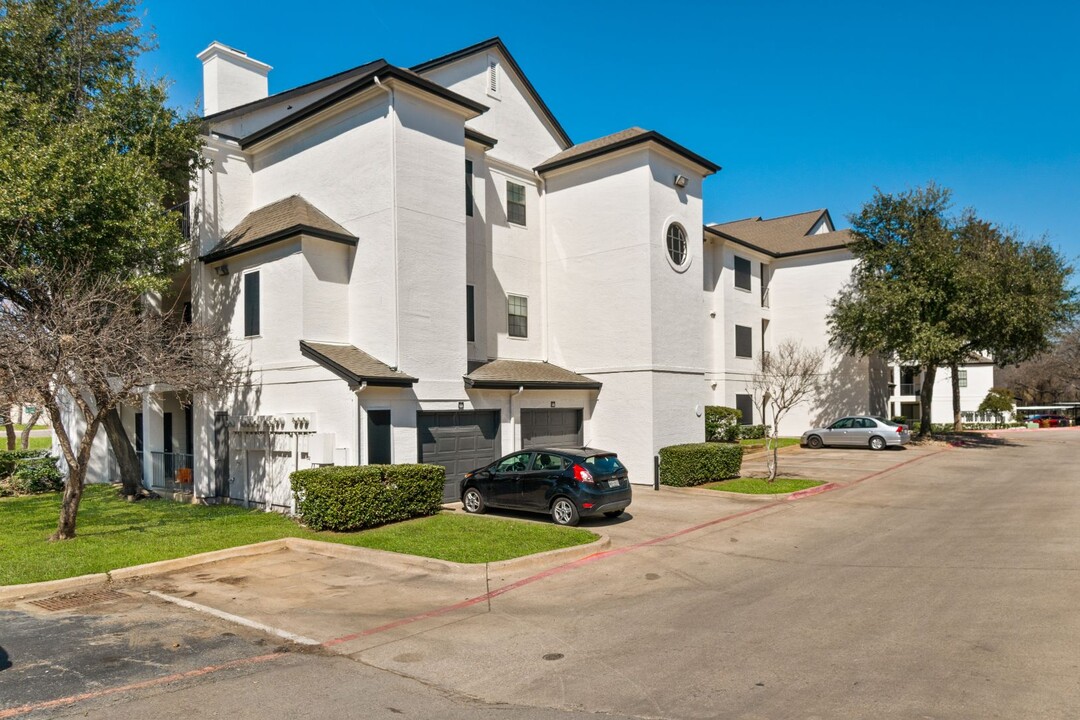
(79, 599)
(554, 656)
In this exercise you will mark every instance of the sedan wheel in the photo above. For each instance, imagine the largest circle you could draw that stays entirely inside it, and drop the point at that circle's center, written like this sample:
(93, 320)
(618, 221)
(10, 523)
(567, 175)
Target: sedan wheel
(473, 501)
(563, 512)
(814, 442)
(877, 443)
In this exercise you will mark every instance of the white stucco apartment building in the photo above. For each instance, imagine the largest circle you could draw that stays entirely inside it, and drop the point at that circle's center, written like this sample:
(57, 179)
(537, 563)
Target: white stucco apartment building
(419, 265)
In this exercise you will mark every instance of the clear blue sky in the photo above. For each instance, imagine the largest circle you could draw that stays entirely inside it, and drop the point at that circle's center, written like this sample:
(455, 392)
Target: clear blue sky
(804, 104)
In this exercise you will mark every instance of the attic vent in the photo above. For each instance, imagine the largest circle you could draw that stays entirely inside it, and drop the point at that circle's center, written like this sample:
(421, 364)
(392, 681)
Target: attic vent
(493, 75)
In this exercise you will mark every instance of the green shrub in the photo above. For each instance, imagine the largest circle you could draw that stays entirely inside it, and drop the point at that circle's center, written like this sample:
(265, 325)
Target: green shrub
(722, 423)
(35, 475)
(699, 463)
(346, 498)
(900, 420)
(28, 472)
(753, 432)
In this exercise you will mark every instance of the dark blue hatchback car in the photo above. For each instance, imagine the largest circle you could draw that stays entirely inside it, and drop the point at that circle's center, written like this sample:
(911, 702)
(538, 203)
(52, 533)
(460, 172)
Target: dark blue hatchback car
(569, 484)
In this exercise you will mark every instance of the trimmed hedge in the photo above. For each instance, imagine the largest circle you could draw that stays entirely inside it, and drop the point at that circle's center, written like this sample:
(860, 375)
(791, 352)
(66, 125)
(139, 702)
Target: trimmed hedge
(753, 432)
(344, 498)
(722, 423)
(699, 463)
(28, 472)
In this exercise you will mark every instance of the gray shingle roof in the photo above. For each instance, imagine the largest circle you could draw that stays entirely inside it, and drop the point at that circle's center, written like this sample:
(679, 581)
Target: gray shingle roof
(782, 236)
(354, 365)
(530, 374)
(277, 221)
(617, 141)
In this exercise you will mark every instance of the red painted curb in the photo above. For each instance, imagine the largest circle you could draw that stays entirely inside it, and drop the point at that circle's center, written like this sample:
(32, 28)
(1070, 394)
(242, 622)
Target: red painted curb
(817, 490)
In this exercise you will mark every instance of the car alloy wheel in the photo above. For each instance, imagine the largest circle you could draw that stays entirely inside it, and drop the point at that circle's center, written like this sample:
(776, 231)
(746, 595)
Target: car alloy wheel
(473, 501)
(563, 512)
(877, 443)
(813, 442)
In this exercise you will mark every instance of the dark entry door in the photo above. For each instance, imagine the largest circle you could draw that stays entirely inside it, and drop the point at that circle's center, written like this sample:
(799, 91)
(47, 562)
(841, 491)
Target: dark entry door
(555, 428)
(378, 438)
(221, 454)
(459, 441)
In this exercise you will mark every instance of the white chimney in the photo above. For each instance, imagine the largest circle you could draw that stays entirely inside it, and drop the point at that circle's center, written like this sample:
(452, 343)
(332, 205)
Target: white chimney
(231, 78)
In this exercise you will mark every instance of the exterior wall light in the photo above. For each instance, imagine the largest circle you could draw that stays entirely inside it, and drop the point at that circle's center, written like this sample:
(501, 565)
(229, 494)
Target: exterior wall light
(222, 270)
(681, 180)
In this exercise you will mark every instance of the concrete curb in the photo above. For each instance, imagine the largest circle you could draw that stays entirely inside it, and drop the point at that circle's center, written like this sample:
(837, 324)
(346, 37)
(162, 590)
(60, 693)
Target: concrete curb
(743, 497)
(380, 558)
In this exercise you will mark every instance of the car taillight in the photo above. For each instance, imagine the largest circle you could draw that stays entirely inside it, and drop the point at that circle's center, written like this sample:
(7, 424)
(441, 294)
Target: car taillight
(582, 475)
(900, 430)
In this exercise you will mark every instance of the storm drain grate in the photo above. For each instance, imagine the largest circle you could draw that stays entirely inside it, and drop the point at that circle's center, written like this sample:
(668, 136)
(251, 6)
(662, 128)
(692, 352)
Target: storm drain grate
(79, 599)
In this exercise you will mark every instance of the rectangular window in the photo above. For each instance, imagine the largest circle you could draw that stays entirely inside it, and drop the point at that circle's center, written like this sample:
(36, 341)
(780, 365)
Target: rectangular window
(470, 313)
(139, 433)
(468, 188)
(251, 304)
(745, 405)
(515, 203)
(742, 273)
(744, 341)
(517, 321)
(961, 375)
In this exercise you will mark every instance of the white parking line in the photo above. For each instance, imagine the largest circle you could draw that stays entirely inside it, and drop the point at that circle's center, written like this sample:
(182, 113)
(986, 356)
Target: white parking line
(229, 617)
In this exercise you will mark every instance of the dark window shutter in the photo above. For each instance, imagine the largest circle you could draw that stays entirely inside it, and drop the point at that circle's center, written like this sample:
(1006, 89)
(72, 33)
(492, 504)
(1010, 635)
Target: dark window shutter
(468, 188)
(470, 313)
(251, 304)
(742, 273)
(745, 405)
(744, 343)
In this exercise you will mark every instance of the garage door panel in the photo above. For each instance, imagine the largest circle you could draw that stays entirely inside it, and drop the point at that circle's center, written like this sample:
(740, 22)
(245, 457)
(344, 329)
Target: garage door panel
(459, 441)
(543, 427)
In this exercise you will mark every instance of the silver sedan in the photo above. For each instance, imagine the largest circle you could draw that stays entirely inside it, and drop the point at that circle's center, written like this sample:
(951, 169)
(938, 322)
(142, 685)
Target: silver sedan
(858, 431)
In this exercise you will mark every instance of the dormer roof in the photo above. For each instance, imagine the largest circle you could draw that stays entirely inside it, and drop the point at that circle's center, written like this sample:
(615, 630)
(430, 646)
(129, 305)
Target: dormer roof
(278, 221)
(786, 235)
(618, 141)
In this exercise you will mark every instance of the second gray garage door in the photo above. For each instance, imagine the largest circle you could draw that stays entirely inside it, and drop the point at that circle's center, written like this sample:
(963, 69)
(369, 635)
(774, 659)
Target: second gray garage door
(459, 441)
(556, 428)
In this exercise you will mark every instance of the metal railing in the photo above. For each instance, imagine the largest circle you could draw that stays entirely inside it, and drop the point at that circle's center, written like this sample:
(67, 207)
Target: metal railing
(172, 472)
(909, 388)
(764, 296)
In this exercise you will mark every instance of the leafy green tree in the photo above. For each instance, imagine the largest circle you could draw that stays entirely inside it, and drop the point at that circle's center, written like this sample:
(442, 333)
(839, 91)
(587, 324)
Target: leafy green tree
(998, 401)
(903, 285)
(931, 289)
(93, 163)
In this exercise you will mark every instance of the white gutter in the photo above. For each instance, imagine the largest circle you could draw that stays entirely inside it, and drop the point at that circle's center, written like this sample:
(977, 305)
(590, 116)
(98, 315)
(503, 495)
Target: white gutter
(542, 187)
(392, 116)
(356, 419)
(514, 435)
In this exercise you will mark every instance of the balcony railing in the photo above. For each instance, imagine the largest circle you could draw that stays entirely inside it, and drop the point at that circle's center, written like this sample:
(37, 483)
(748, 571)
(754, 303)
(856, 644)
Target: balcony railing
(764, 296)
(172, 472)
(909, 388)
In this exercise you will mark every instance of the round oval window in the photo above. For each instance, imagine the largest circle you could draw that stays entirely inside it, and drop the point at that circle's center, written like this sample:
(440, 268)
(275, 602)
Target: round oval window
(676, 244)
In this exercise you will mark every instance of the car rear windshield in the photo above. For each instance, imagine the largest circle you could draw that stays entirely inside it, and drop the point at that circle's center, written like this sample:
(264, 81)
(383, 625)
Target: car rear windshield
(603, 464)
(890, 423)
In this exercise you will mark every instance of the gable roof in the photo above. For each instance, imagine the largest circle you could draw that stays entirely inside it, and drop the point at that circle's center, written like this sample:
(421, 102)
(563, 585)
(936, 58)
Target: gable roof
(529, 374)
(783, 236)
(354, 365)
(618, 141)
(277, 221)
(497, 44)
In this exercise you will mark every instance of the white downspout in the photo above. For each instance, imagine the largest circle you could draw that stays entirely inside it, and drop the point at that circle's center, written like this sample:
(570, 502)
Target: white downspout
(543, 265)
(514, 434)
(392, 115)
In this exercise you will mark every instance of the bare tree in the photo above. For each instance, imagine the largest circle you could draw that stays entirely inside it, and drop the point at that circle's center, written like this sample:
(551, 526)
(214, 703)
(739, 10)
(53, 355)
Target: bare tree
(784, 378)
(91, 347)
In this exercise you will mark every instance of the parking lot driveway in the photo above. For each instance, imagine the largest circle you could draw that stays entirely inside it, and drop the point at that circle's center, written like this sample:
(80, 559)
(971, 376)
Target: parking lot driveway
(841, 465)
(120, 639)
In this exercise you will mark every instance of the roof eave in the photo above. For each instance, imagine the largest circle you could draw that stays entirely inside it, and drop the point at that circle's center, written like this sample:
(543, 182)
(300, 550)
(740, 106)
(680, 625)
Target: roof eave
(529, 385)
(351, 377)
(287, 233)
(384, 71)
(652, 136)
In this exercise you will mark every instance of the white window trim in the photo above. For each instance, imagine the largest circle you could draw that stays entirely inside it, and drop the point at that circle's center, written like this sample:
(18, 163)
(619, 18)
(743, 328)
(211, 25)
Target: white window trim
(671, 220)
(507, 315)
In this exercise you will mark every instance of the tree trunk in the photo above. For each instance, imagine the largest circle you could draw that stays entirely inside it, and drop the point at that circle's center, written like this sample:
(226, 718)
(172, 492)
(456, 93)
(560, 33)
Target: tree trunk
(958, 419)
(9, 427)
(69, 508)
(926, 398)
(24, 440)
(126, 457)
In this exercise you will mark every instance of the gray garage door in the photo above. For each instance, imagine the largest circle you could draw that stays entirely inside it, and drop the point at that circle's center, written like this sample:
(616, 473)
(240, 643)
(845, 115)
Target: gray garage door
(551, 428)
(459, 441)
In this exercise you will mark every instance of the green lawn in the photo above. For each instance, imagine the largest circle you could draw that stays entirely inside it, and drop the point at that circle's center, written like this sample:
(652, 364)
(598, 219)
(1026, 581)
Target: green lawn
(760, 443)
(758, 486)
(113, 533)
(39, 443)
(20, 427)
